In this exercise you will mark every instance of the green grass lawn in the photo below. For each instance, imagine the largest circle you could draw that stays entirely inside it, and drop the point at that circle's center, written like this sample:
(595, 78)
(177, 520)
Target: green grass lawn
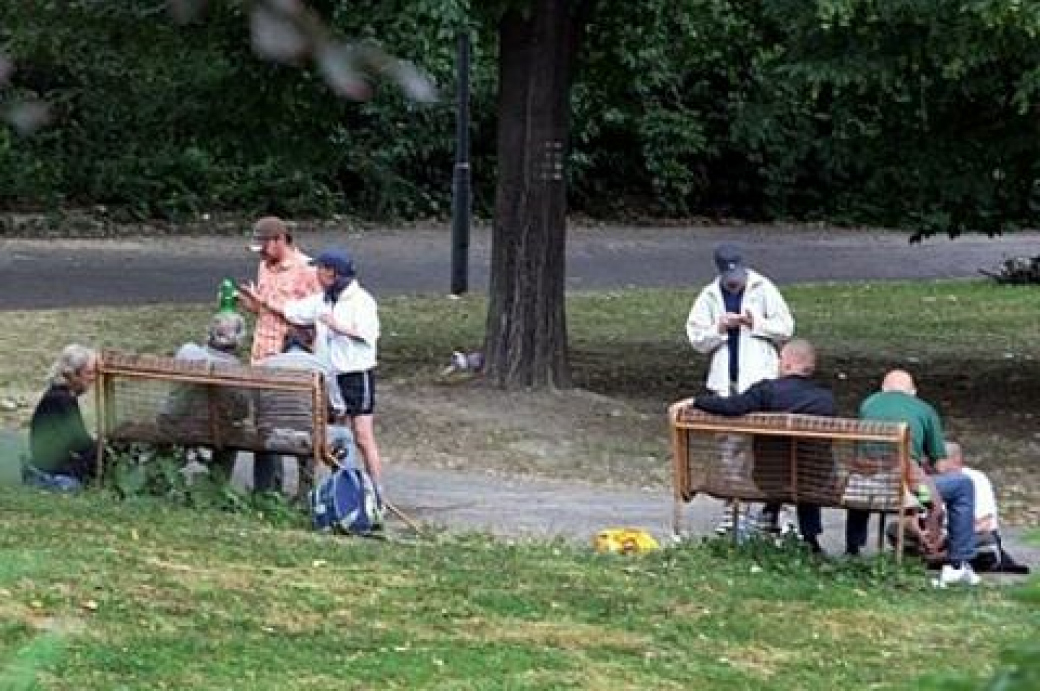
(96, 594)
(615, 336)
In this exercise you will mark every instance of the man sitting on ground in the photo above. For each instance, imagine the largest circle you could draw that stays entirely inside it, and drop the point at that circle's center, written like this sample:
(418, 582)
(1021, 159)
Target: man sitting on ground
(793, 392)
(990, 550)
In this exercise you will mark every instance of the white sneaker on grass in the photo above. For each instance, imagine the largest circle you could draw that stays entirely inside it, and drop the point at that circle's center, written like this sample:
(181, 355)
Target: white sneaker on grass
(952, 575)
(725, 523)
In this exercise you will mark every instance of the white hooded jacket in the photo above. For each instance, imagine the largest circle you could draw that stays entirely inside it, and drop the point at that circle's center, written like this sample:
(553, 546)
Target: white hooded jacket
(772, 325)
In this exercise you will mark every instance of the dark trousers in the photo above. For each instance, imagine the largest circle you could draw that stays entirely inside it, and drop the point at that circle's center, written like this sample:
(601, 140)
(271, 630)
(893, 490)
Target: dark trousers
(266, 477)
(810, 518)
(857, 523)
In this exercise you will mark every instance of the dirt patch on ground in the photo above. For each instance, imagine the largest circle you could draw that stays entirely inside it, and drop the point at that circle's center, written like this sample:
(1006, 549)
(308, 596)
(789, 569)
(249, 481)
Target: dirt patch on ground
(570, 434)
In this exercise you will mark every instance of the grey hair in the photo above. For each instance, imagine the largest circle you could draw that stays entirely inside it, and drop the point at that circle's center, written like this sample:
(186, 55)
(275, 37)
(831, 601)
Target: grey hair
(73, 359)
(227, 330)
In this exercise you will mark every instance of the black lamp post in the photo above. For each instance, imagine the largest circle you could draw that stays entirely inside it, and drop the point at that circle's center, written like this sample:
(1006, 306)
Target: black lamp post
(461, 195)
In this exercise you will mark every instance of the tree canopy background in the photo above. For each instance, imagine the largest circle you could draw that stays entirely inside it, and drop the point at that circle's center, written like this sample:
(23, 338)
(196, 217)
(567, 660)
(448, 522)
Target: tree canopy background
(887, 112)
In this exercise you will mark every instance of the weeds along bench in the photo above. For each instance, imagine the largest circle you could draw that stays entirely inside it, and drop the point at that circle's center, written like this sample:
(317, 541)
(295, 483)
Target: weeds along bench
(160, 400)
(781, 457)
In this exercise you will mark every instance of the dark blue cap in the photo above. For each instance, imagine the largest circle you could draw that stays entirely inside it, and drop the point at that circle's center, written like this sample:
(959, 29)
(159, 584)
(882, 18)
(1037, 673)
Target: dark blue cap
(337, 260)
(730, 262)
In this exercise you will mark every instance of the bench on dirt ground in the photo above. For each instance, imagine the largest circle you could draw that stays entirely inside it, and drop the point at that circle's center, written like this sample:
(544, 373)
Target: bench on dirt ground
(782, 457)
(221, 406)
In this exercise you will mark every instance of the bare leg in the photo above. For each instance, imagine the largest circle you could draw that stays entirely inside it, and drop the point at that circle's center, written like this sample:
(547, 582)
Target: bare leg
(365, 438)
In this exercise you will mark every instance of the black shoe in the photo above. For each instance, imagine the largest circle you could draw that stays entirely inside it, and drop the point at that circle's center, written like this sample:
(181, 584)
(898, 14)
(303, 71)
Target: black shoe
(1008, 565)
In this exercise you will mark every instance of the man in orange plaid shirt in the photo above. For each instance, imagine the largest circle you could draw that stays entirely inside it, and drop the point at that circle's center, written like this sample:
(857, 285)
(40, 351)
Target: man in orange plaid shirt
(284, 274)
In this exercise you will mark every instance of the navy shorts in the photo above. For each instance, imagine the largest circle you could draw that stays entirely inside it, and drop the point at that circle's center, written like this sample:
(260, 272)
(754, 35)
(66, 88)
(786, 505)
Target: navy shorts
(359, 392)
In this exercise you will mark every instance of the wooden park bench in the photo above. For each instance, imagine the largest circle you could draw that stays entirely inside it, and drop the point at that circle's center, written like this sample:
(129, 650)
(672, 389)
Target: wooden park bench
(786, 458)
(163, 401)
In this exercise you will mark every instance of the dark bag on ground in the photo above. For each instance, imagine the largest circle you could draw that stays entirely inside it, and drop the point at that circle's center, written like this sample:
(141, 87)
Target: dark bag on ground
(347, 502)
(991, 557)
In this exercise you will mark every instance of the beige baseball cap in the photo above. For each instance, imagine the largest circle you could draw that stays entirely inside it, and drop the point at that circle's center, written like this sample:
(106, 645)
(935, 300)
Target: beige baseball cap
(267, 228)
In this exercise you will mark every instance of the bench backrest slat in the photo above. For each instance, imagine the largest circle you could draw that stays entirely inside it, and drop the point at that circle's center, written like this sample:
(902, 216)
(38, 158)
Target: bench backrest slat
(787, 458)
(161, 400)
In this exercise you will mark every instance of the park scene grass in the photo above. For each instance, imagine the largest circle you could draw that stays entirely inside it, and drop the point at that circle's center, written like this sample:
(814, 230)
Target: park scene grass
(159, 118)
(103, 595)
(98, 593)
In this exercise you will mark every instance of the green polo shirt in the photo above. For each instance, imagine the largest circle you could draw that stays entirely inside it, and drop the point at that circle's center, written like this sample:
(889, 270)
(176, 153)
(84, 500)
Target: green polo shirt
(926, 434)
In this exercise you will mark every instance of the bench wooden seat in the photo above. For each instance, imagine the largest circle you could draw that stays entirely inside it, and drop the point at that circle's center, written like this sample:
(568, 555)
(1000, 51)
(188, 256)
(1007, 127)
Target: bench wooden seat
(161, 400)
(788, 458)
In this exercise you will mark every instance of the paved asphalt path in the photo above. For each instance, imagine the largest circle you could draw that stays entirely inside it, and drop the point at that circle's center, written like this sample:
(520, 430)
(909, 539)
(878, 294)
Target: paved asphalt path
(38, 274)
(530, 508)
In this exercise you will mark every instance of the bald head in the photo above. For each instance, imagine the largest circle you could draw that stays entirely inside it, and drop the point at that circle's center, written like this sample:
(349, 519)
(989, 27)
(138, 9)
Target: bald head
(899, 380)
(798, 357)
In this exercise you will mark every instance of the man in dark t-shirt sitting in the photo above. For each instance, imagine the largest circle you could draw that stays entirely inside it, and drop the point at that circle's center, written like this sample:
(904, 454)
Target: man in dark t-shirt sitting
(793, 392)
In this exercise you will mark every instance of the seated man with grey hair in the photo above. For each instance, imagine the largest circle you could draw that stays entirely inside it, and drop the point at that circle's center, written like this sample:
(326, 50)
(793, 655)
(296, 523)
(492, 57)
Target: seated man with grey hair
(188, 404)
(63, 454)
(225, 335)
(282, 419)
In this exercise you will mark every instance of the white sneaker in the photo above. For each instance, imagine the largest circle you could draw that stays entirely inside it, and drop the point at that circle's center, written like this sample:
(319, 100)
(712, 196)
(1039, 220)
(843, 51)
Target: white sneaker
(949, 575)
(725, 523)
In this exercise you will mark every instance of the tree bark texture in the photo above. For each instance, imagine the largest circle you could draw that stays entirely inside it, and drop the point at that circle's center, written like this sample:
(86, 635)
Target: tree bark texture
(526, 337)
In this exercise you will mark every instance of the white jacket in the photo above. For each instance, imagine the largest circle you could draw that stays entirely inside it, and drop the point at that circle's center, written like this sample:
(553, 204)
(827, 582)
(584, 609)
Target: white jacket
(772, 324)
(357, 309)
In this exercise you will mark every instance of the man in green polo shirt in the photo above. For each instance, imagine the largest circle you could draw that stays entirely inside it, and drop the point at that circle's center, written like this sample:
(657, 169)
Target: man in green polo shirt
(898, 402)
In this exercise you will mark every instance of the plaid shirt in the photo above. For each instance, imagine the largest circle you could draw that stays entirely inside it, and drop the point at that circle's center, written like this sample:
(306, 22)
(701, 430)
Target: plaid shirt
(291, 279)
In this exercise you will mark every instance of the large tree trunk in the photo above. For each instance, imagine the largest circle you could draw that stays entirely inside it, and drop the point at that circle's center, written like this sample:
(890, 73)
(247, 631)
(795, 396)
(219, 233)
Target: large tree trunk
(526, 342)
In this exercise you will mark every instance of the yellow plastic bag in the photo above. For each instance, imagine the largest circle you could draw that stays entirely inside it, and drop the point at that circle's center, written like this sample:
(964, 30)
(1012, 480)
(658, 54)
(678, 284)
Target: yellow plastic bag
(624, 541)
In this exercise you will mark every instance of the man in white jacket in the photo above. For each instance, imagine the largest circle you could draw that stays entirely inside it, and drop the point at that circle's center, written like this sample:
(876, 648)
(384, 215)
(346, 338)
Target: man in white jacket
(740, 319)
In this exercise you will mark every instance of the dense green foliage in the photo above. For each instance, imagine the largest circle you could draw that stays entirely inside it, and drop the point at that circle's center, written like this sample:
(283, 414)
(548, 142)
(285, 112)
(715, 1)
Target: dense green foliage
(894, 112)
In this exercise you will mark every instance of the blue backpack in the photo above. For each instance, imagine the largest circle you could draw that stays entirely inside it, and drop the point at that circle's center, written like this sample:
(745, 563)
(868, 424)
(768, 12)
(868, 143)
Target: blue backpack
(347, 502)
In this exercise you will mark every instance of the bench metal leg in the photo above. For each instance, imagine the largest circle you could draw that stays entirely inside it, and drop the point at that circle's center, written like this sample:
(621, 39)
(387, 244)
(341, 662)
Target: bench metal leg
(735, 516)
(881, 532)
(677, 516)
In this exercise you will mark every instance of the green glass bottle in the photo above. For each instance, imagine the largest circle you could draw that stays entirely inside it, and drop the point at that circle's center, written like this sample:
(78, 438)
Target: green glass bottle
(924, 495)
(227, 295)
